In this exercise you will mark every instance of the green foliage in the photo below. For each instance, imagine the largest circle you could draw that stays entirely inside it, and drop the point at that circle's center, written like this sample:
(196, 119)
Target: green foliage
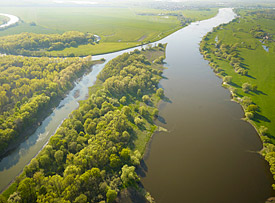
(146, 99)
(111, 195)
(28, 86)
(160, 92)
(249, 115)
(31, 44)
(128, 176)
(93, 155)
(227, 79)
(252, 108)
(246, 87)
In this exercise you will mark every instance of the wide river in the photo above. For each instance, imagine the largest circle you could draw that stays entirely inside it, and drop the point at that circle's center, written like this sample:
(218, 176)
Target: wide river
(209, 153)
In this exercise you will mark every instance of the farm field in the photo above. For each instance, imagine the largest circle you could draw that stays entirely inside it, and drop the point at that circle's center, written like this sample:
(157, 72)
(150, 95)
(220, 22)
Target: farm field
(118, 28)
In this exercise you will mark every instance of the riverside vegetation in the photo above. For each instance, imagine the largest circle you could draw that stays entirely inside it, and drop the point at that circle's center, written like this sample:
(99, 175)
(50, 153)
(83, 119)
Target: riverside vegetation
(31, 44)
(93, 155)
(243, 54)
(30, 86)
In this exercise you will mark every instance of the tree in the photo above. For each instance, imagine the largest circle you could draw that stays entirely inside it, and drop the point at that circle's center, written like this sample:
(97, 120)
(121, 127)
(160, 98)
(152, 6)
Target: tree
(252, 108)
(160, 92)
(246, 87)
(227, 79)
(128, 176)
(123, 100)
(125, 155)
(114, 161)
(27, 190)
(249, 115)
(145, 99)
(81, 199)
(263, 130)
(14, 198)
(155, 112)
(59, 156)
(111, 195)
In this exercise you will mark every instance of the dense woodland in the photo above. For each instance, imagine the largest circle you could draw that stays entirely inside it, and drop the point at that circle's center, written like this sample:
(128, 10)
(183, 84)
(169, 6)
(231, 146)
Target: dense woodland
(93, 155)
(31, 44)
(28, 86)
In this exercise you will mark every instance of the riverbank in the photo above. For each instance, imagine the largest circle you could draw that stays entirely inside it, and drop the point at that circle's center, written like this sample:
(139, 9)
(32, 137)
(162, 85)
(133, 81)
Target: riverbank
(236, 55)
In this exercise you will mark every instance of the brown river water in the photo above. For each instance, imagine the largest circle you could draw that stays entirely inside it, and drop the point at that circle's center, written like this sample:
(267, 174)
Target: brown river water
(209, 154)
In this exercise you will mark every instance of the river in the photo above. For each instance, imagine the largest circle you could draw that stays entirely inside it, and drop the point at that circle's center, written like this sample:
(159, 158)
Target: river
(209, 154)
(12, 20)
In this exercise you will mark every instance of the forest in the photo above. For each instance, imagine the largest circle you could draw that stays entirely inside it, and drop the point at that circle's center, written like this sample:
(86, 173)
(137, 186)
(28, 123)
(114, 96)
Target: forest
(27, 88)
(31, 44)
(93, 155)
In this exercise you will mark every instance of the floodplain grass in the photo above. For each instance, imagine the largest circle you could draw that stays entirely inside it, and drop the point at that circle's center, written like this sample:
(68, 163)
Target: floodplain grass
(26, 27)
(258, 62)
(119, 28)
(88, 49)
(200, 14)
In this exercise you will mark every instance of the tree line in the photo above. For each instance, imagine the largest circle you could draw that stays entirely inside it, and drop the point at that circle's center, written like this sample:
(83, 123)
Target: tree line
(28, 86)
(31, 44)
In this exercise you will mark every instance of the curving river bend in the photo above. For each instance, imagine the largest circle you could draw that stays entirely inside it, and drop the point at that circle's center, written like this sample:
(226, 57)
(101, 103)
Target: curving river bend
(12, 20)
(209, 154)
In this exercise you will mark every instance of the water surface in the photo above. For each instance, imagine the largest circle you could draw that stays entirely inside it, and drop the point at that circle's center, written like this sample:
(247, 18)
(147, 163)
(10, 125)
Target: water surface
(210, 154)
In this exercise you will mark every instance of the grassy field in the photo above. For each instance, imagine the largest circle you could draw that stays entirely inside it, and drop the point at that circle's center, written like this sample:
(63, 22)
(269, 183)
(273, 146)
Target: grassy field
(119, 28)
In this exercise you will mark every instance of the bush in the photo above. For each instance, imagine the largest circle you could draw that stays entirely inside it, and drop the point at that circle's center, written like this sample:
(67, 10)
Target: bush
(160, 93)
(246, 87)
(252, 108)
(263, 130)
(111, 195)
(249, 115)
(146, 99)
(227, 79)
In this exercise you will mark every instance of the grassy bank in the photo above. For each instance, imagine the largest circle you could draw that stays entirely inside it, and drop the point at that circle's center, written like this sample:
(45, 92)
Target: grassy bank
(243, 54)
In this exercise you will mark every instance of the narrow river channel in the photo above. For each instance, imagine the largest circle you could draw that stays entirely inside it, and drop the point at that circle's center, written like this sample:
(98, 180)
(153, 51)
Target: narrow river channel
(209, 153)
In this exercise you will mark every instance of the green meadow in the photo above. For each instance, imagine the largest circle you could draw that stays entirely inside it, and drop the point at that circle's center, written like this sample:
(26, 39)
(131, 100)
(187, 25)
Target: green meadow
(119, 28)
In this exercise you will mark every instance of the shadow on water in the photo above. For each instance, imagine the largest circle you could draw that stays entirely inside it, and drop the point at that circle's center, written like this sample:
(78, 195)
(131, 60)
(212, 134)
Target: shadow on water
(161, 119)
(142, 169)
